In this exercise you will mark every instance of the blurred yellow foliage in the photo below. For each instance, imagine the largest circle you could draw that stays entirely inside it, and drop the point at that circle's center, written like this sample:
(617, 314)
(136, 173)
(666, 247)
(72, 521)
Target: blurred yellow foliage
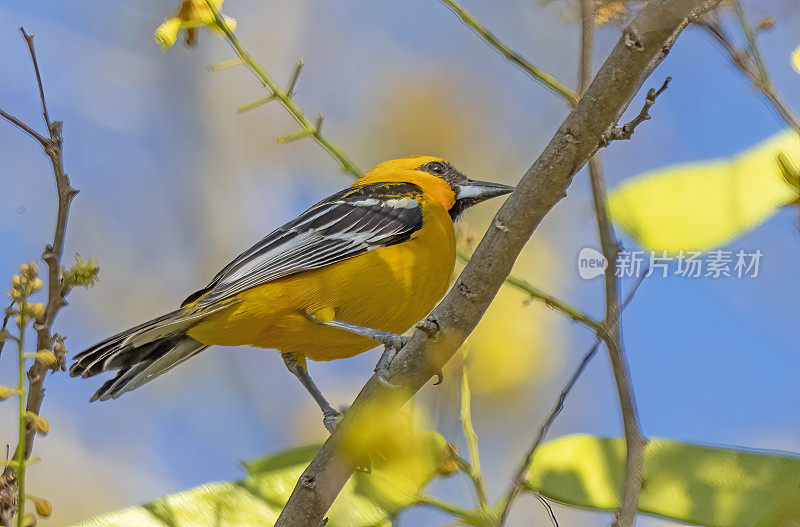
(606, 11)
(191, 15)
(427, 118)
(796, 59)
(511, 347)
(699, 206)
(400, 450)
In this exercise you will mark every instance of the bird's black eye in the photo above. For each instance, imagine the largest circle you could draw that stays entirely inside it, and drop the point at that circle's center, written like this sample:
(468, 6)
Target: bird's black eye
(436, 167)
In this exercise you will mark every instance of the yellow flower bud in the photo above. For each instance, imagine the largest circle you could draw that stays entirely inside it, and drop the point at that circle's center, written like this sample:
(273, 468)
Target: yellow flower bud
(446, 460)
(15, 294)
(167, 33)
(29, 520)
(35, 310)
(191, 15)
(36, 284)
(7, 391)
(46, 357)
(43, 507)
(16, 281)
(29, 270)
(40, 424)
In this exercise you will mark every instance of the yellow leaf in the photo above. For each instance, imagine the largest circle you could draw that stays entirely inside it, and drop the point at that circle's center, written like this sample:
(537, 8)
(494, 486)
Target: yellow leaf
(695, 484)
(699, 206)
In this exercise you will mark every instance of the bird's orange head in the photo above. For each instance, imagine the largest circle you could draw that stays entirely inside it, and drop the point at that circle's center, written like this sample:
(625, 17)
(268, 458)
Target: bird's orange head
(454, 191)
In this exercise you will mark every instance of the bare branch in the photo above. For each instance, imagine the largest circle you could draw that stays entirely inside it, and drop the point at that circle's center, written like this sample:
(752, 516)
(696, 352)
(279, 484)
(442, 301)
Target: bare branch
(24, 127)
(612, 336)
(656, 27)
(558, 406)
(625, 515)
(626, 131)
(751, 65)
(52, 256)
(29, 40)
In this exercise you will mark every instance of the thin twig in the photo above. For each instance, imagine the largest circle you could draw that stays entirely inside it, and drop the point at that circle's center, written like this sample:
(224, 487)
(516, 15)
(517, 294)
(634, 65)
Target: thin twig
(474, 467)
(52, 256)
(474, 517)
(658, 24)
(625, 515)
(752, 44)
(29, 40)
(625, 131)
(549, 300)
(558, 406)
(24, 127)
(540, 76)
(308, 129)
(751, 65)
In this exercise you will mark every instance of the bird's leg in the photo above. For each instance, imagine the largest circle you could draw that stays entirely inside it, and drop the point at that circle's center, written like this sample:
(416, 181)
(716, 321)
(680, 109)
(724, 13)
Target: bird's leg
(392, 343)
(386, 338)
(330, 417)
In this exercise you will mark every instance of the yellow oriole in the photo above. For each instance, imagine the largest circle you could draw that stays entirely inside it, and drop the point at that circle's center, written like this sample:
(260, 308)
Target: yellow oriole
(358, 267)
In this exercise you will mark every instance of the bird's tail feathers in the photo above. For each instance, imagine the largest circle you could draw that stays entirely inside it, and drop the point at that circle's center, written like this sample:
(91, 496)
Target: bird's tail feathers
(141, 353)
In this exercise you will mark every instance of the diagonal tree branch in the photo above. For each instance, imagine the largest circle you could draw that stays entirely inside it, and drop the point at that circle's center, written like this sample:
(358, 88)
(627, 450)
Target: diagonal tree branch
(644, 44)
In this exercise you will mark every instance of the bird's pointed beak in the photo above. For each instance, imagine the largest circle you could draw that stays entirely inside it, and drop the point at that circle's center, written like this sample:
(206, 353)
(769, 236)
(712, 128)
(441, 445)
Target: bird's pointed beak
(476, 191)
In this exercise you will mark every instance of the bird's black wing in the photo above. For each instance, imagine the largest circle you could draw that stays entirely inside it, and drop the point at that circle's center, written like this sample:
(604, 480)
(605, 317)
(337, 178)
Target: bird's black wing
(354, 221)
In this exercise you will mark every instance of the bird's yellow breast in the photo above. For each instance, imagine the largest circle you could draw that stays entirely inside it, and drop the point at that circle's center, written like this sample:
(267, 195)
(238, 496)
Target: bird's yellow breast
(390, 288)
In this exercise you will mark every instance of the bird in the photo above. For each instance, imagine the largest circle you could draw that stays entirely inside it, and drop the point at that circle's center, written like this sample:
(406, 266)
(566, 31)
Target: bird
(356, 270)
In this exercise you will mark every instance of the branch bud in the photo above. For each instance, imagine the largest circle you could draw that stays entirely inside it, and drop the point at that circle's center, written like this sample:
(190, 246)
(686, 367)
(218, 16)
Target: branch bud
(43, 507)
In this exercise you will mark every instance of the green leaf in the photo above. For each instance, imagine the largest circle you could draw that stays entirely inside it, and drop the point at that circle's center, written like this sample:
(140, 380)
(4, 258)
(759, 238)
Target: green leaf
(368, 500)
(700, 206)
(701, 485)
